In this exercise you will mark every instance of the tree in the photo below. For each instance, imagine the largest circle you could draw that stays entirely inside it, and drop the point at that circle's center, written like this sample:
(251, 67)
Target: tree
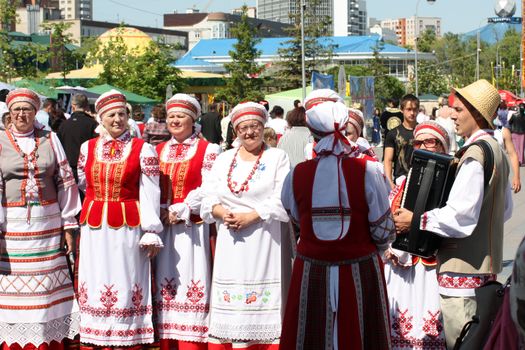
(431, 79)
(62, 59)
(145, 72)
(427, 40)
(244, 82)
(316, 52)
(385, 86)
(7, 54)
(151, 72)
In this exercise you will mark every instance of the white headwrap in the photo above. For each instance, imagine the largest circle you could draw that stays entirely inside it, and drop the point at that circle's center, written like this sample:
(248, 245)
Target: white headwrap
(327, 120)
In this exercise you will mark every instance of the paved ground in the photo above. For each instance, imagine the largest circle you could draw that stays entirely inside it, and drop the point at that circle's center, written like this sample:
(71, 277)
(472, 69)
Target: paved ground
(514, 228)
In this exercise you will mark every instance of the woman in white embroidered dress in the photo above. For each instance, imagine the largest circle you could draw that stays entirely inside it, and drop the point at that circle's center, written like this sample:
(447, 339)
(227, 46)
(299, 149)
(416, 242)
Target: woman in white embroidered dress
(413, 295)
(39, 199)
(243, 195)
(183, 267)
(119, 226)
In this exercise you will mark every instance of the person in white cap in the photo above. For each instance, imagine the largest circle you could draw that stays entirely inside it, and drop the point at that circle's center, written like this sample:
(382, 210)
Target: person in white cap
(337, 296)
(413, 295)
(472, 220)
(39, 199)
(119, 231)
(183, 267)
(251, 267)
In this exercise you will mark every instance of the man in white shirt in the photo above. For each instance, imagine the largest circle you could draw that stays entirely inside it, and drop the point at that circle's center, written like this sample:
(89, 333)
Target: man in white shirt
(277, 122)
(471, 222)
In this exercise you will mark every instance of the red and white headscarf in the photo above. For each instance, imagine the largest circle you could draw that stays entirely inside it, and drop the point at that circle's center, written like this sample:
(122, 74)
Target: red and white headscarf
(319, 96)
(435, 129)
(109, 101)
(326, 117)
(184, 104)
(356, 119)
(248, 111)
(23, 95)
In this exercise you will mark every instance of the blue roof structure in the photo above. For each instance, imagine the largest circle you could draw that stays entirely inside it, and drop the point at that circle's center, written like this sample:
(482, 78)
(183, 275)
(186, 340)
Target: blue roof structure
(493, 32)
(214, 50)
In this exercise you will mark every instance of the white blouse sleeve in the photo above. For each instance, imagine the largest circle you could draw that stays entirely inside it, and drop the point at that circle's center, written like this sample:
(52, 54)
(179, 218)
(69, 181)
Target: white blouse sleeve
(192, 202)
(81, 166)
(209, 187)
(459, 217)
(149, 196)
(377, 189)
(288, 197)
(272, 208)
(2, 189)
(67, 190)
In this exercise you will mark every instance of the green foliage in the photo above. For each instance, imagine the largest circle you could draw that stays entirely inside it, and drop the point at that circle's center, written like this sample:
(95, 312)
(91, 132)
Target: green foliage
(7, 54)
(145, 73)
(244, 82)
(431, 79)
(317, 54)
(62, 59)
(385, 86)
(151, 72)
(427, 41)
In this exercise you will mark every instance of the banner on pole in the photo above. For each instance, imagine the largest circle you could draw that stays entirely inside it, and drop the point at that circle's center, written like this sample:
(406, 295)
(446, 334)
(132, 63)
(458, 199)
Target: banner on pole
(362, 92)
(322, 81)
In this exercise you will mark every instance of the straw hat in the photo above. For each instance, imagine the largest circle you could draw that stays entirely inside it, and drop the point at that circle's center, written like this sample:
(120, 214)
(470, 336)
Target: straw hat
(484, 97)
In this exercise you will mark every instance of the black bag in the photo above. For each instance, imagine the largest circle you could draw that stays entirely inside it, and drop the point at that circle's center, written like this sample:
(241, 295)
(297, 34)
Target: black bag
(489, 298)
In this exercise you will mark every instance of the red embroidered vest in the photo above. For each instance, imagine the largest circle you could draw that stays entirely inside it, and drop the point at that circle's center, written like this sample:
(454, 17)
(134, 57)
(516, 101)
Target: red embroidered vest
(358, 241)
(112, 188)
(177, 179)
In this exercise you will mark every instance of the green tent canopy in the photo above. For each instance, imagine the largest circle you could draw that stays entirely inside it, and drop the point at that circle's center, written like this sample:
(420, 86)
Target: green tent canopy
(130, 96)
(40, 89)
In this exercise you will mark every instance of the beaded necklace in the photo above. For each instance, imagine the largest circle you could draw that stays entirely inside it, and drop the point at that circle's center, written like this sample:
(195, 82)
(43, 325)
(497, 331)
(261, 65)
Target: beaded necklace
(244, 185)
(33, 154)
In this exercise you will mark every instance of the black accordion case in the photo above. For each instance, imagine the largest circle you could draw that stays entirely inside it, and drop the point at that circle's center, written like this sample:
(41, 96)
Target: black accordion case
(427, 187)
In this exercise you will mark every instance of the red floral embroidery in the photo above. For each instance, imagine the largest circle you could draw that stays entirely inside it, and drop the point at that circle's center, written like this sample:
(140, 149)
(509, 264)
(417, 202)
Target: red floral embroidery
(463, 282)
(116, 333)
(109, 297)
(183, 327)
(65, 176)
(209, 159)
(150, 166)
(169, 290)
(402, 325)
(183, 307)
(82, 294)
(195, 292)
(432, 326)
(137, 296)
(178, 152)
(116, 312)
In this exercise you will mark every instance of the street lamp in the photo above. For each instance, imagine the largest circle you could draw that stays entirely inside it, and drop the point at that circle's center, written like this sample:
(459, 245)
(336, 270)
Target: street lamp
(478, 49)
(303, 73)
(416, 32)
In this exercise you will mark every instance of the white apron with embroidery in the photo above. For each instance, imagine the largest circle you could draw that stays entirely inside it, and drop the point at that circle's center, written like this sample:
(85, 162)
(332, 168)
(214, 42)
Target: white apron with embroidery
(114, 280)
(246, 299)
(183, 267)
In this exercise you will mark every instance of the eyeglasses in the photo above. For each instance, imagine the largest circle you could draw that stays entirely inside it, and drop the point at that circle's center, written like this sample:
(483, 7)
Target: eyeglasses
(427, 142)
(23, 110)
(244, 129)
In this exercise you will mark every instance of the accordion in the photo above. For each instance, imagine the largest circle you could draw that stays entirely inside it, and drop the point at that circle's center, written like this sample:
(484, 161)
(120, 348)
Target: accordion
(427, 187)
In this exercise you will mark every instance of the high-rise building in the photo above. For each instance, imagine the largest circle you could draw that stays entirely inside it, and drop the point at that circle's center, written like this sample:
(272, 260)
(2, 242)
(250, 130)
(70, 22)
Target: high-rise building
(349, 17)
(76, 9)
(407, 30)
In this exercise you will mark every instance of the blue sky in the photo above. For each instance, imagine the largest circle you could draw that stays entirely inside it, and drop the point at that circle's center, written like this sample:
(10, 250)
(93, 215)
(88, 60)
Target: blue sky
(458, 16)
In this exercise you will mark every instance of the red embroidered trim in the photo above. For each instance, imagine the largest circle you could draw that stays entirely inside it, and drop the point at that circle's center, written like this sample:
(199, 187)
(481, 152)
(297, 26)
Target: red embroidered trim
(182, 307)
(115, 332)
(464, 282)
(183, 327)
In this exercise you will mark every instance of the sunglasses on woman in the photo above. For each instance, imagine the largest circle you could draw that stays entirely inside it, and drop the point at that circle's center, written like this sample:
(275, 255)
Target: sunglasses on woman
(427, 142)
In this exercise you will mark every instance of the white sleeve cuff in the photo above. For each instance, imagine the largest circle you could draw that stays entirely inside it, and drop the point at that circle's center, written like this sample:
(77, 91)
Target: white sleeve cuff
(183, 212)
(151, 239)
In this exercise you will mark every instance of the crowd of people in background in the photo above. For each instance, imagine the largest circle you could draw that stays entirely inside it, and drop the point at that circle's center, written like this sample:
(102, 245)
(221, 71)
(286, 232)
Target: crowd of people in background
(246, 228)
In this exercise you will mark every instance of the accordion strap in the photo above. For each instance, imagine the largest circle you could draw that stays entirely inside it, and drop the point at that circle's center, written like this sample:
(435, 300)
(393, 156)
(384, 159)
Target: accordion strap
(421, 201)
(488, 159)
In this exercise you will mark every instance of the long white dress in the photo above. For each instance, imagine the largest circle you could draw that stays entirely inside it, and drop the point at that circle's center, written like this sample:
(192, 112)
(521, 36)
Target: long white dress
(36, 290)
(183, 267)
(246, 299)
(114, 281)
